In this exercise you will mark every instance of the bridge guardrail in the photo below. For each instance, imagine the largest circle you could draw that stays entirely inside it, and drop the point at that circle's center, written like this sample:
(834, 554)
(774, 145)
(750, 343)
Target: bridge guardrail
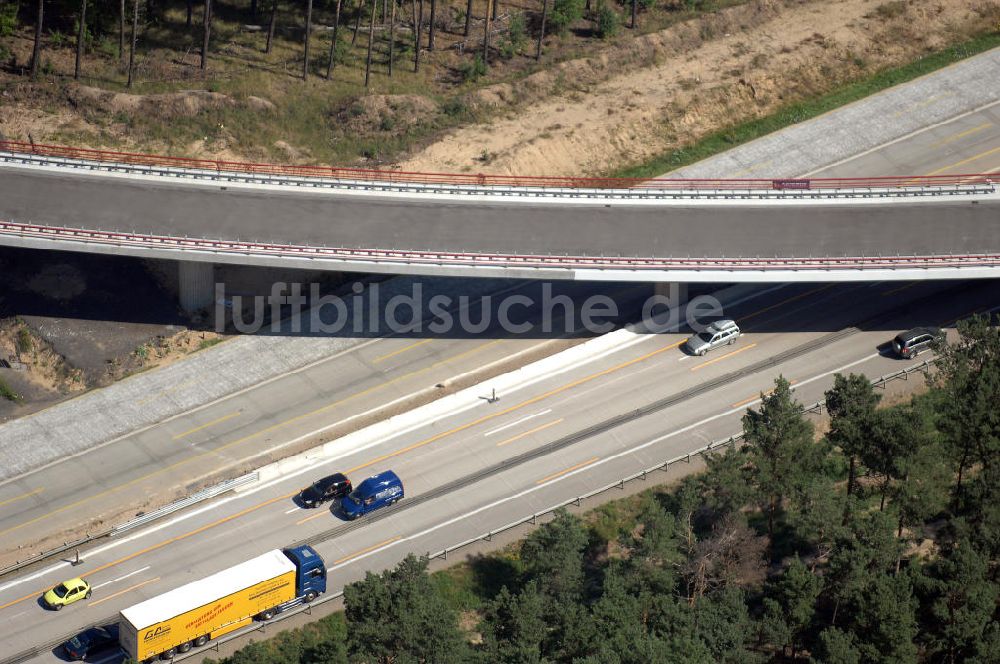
(481, 180)
(832, 264)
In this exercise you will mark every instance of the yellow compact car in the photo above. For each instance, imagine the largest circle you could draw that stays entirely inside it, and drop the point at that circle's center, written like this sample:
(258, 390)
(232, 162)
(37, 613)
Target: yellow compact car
(67, 592)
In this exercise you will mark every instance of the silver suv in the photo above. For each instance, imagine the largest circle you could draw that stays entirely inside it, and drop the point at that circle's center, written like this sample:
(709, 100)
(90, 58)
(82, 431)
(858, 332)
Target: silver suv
(718, 333)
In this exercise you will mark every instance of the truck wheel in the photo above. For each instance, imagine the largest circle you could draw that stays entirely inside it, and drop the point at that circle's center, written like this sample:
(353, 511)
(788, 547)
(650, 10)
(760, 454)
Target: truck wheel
(168, 654)
(184, 647)
(87, 596)
(200, 641)
(310, 596)
(266, 615)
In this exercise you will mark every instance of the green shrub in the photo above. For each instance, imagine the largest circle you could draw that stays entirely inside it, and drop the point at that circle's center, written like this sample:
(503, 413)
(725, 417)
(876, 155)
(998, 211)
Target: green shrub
(474, 70)
(8, 19)
(24, 342)
(455, 107)
(564, 14)
(7, 393)
(58, 39)
(608, 22)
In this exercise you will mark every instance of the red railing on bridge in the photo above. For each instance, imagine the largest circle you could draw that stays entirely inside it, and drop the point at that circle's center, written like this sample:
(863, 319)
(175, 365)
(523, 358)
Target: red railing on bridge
(481, 179)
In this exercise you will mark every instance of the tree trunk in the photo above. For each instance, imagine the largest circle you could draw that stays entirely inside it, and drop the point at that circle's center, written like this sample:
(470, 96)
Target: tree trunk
(417, 36)
(850, 475)
(357, 21)
(493, 12)
(36, 52)
(635, 11)
(541, 33)
(309, 24)
(253, 8)
(207, 24)
(885, 489)
(135, 34)
(392, 34)
(371, 34)
(333, 42)
(121, 32)
(79, 38)
(430, 35)
(271, 23)
(468, 18)
(190, 12)
(486, 33)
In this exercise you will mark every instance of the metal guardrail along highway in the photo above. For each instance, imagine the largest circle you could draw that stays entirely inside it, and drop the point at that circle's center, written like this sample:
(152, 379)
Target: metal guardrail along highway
(141, 520)
(15, 148)
(533, 518)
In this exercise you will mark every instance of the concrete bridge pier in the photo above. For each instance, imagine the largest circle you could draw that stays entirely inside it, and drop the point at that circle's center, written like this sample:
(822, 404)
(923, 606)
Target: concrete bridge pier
(196, 285)
(677, 293)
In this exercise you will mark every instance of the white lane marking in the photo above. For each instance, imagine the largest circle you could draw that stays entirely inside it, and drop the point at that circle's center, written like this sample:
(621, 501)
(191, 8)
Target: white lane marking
(683, 358)
(613, 457)
(308, 469)
(516, 422)
(294, 509)
(121, 578)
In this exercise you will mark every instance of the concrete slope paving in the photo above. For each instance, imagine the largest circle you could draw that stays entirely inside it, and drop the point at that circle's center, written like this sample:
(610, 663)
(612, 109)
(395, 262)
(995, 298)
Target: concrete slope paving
(861, 126)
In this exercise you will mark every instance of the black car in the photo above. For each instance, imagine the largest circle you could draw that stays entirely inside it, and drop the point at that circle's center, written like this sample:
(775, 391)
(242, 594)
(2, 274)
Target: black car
(910, 343)
(92, 641)
(328, 488)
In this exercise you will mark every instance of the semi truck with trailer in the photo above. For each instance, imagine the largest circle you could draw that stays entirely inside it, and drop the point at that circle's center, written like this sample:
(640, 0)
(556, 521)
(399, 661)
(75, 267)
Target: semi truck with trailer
(193, 614)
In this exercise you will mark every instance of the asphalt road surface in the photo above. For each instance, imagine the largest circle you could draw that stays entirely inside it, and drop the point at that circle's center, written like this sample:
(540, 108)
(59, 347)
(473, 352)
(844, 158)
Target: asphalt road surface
(455, 489)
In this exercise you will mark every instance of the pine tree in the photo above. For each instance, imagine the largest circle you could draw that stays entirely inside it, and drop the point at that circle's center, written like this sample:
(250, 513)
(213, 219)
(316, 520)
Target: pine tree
(779, 441)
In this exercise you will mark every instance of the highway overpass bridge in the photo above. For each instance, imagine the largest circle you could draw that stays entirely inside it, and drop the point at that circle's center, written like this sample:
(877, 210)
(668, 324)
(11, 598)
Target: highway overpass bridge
(203, 212)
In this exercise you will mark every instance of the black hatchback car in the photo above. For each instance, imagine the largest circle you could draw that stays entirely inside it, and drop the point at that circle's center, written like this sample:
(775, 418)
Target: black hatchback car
(328, 488)
(912, 342)
(92, 641)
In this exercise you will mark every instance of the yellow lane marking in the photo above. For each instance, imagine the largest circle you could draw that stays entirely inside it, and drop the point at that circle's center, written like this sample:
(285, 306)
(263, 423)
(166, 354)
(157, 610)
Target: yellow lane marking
(206, 425)
(722, 357)
(248, 437)
(786, 301)
(122, 592)
(368, 550)
(321, 512)
(22, 496)
(901, 288)
(160, 545)
(967, 132)
(402, 350)
(529, 432)
(523, 404)
(965, 161)
(568, 470)
(920, 104)
(157, 395)
(756, 396)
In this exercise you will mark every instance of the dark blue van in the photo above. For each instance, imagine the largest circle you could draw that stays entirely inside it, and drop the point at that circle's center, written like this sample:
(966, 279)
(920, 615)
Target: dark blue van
(375, 492)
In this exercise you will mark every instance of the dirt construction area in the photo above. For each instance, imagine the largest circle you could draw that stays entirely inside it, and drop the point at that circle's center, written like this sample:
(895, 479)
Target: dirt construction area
(670, 88)
(629, 99)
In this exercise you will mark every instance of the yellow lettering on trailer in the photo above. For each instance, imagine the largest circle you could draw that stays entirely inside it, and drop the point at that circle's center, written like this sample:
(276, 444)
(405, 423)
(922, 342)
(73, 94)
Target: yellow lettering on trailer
(219, 617)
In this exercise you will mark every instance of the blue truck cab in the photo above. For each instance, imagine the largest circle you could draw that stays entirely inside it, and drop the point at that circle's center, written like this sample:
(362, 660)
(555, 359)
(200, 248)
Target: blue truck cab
(375, 492)
(310, 573)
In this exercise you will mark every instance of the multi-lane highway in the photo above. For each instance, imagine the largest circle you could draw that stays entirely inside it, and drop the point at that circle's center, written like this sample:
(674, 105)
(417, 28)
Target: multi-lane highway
(370, 380)
(455, 489)
(452, 466)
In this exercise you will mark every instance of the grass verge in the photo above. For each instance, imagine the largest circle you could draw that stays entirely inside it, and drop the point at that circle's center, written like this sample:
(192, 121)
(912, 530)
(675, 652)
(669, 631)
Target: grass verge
(800, 111)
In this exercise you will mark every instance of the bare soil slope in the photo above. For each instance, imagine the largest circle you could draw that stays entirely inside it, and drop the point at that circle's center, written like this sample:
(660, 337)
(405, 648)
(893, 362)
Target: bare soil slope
(709, 73)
